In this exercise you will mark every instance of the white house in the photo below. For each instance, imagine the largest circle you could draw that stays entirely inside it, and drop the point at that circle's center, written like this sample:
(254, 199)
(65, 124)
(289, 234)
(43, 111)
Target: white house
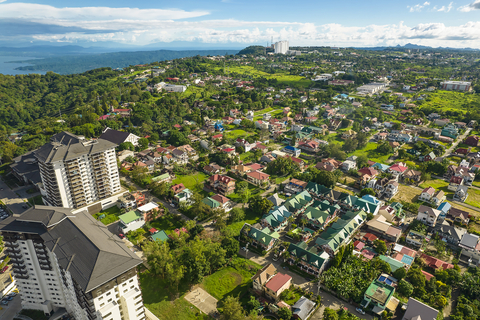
(131, 221)
(427, 194)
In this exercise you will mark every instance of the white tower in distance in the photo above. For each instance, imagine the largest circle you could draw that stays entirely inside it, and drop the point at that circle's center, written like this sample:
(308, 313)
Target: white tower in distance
(281, 47)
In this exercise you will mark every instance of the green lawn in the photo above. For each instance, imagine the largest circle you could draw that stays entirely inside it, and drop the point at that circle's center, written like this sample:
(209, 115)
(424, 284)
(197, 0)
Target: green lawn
(259, 112)
(371, 154)
(238, 133)
(192, 182)
(250, 218)
(437, 184)
(159, 299)
(281, 77)
(231, 281)
(167, 223)
(111, 215)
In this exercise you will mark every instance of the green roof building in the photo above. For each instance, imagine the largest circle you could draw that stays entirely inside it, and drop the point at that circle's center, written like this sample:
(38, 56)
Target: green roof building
(159, 236)
(212, 203)
(131, 221)
(379, 295)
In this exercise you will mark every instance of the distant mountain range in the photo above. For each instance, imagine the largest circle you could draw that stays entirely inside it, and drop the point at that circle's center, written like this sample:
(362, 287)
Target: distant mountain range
(413, 46)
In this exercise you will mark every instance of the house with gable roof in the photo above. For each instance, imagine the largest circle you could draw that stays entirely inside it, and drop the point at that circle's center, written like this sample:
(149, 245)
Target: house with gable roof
(310, 260)
(260, 239)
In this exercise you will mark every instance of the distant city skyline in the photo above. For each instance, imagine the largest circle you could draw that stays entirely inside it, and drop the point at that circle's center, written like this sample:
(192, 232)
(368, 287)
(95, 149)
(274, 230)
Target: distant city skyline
(242, 22)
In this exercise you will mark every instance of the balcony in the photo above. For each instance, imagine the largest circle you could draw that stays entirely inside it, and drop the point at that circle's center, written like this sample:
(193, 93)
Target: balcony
(21, 276)
(18, 266)
(11, 251)
(20, 272)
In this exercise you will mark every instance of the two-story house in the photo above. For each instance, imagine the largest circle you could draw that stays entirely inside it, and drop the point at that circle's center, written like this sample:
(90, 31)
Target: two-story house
(427, 194)
(428, 215)
(222, 184)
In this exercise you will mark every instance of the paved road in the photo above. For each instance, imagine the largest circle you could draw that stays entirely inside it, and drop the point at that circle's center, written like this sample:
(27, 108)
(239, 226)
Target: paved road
(10, 310)
(11, 199)
(454, 145)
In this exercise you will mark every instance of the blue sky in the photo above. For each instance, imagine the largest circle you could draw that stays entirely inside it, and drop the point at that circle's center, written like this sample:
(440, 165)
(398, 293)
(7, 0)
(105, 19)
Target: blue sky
(242, 22)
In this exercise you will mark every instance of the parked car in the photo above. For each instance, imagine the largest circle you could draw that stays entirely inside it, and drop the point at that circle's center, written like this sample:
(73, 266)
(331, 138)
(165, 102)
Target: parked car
(12, 294)
(122, 236)
(359, 310)
(4, 302)
(4, 269)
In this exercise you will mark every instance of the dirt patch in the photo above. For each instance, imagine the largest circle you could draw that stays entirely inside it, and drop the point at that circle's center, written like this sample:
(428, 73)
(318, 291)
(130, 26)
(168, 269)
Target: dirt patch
(202, 300)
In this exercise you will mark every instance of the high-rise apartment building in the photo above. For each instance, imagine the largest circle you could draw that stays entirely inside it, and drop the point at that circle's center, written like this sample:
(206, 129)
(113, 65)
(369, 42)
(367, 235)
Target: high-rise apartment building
(281, 47)
(77, 172)
(67, 263)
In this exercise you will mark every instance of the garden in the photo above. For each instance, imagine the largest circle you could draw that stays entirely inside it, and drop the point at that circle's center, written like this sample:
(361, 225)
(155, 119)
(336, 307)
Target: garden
(193, 182)
(109, 215)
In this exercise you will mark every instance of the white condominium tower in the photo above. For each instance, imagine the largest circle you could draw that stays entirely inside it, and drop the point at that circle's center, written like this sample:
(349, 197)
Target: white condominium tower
(71, 264)
(281, 47)
(76, 172)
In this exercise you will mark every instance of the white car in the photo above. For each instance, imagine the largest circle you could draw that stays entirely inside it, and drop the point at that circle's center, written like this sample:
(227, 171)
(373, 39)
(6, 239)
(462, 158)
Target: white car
(359, 310)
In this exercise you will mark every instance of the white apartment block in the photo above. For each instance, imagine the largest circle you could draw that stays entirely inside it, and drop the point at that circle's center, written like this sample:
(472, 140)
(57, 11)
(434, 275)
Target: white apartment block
(170, 87)
(456, 85)
(76, 172)
(281, 47)
(67, 263)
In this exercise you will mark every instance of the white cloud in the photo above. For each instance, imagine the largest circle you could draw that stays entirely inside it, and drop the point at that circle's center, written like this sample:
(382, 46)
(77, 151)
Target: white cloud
(475, 5)
(418, 7)
(142, 27)
(2, 1)
(444, 8)
(41, 11)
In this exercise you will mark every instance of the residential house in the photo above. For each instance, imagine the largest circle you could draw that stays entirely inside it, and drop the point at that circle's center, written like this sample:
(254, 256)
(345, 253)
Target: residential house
(428, 157)
(470, 248)
(472, 141)
(458, 215)
(240, 169)
(213, 168)
(261, 240)
(417, 310)
(295, 186)
(461, 194)
(245, 144)
(212, 203)
(309, 145)
(427, 194)
(119, 137)
(299, 162)
(276, 285)
(348, 165)
(222, 184)
(452, 234)
(292, 150)
(435, 263)
(223, 201)
(310, 260)
(328, 165)
(303, 308)
(428, 215)
(349, 134)
(178, 188)
(412, 176)
(438, 198)
(150, 211)
(258, 178)
(455, 182)
(380, 167)
(262, 277)
(183, 196)
(379, 296)
(276, 200)
(131, 221)
(398, 169)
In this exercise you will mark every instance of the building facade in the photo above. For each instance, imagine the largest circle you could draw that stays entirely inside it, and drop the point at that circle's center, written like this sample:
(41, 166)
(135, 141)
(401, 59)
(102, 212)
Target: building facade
(70, 263)
(281, 47)
(456, 85)
(76, 172)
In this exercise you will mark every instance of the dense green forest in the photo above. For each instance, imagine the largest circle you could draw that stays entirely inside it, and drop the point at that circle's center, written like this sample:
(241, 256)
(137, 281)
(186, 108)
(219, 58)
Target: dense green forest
(80, 63)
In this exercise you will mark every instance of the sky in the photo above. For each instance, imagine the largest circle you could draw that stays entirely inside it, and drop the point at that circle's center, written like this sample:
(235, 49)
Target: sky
(239, 23)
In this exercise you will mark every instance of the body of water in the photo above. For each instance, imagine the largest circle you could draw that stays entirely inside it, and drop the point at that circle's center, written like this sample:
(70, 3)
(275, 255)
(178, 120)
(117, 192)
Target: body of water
(9, 68)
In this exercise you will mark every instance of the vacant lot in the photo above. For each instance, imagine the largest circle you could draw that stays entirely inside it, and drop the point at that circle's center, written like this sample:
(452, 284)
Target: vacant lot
(473, 198)
(167, 223)
(371, 153)
(192, 182)
(235, 134)
(231, 281)
(159, 298)
(407, 193)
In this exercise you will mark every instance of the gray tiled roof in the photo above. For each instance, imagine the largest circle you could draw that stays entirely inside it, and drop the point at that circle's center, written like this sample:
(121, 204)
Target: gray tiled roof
(82, 245)
(66, 146)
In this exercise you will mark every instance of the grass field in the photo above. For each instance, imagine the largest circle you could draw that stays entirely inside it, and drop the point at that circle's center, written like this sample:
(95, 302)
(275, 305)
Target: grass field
(370, 152)
(231, 281)
(238, 133)
(473, 198)
(192, 182)
(167, 223)
(37, 200)
(159, 299)
(407, 194)
(260, 112)
(111, 215)
(450, 100)
(437, 184)
(281, 77)
(250, 218)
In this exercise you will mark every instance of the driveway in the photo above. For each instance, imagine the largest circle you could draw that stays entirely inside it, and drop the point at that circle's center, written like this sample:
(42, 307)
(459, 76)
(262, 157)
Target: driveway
(329, 301)
(11, 199)
(454, 145)
(9, 311)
